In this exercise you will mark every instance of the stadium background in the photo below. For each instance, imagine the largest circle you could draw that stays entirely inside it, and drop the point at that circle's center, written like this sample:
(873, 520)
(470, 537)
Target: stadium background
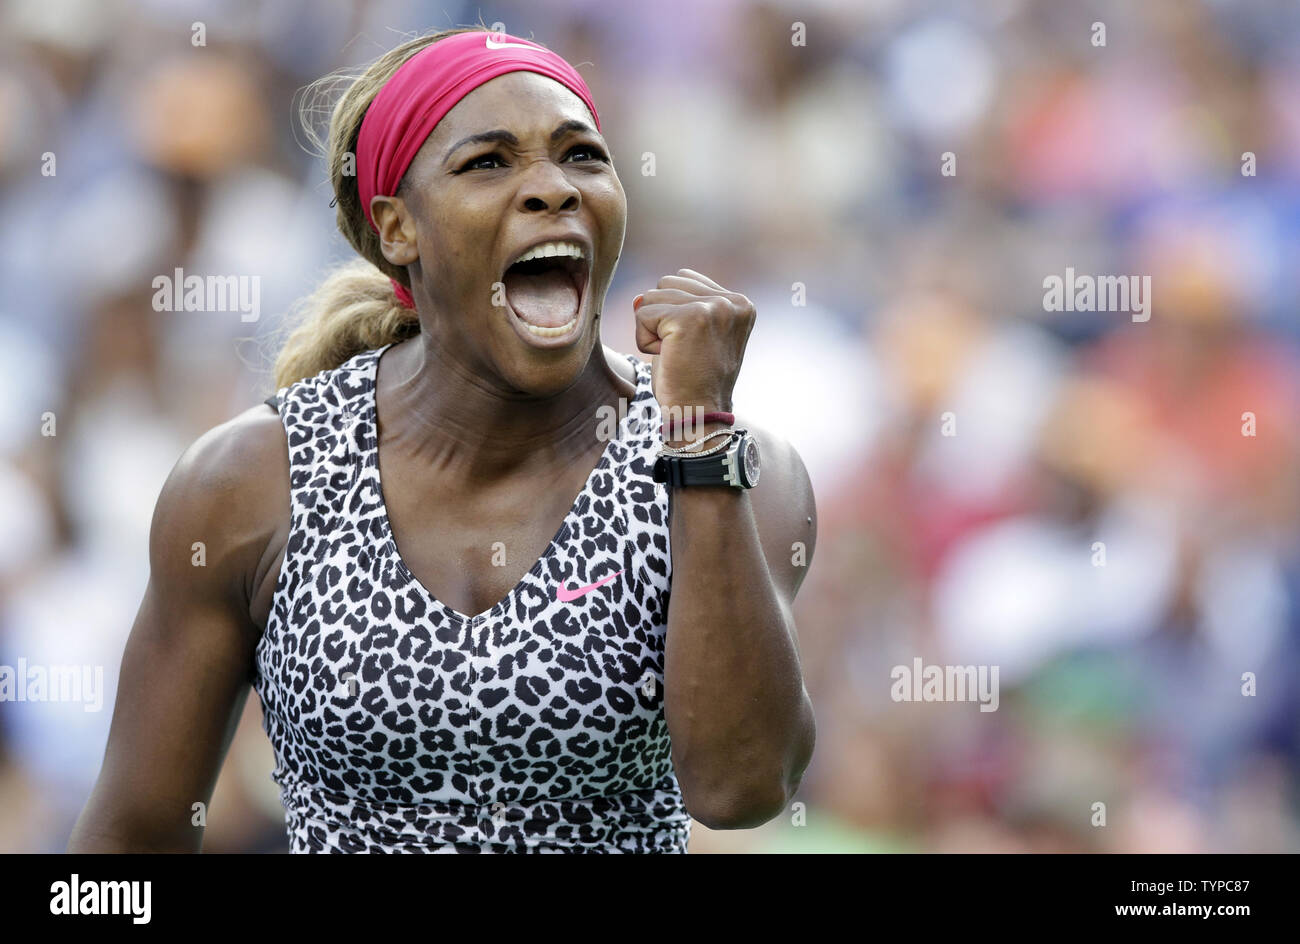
(775, 164)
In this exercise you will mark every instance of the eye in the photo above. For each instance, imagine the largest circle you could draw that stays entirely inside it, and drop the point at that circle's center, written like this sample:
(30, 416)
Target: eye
(468, 165)
(590, 149)
(596, 154)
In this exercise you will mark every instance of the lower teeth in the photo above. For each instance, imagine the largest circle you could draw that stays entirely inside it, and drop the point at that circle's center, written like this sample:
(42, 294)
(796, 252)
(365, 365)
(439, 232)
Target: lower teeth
(550, 332)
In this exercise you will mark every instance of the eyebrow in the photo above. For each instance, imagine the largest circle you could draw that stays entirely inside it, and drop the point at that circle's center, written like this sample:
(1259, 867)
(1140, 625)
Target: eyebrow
(503, 136)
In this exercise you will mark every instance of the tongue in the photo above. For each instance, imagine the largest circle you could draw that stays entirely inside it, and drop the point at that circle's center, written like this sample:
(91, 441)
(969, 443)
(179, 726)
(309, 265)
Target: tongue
(547, 300)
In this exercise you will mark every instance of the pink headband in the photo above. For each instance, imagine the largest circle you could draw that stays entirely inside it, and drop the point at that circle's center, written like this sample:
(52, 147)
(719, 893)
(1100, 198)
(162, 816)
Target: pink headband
(425, 88)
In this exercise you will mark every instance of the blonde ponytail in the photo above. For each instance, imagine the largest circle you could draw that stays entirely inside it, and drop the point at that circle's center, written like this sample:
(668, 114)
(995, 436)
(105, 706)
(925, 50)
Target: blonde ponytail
(355, 308)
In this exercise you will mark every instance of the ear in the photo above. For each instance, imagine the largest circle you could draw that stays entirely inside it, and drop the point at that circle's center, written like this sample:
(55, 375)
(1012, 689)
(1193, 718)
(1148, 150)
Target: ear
(396, 225)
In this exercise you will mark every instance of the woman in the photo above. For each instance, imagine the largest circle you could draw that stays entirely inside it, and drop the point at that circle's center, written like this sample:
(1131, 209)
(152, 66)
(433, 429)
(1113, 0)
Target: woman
(481, 655)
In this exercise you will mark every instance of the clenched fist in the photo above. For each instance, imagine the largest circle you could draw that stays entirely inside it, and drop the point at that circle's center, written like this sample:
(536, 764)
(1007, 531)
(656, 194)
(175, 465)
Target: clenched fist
(695, 331)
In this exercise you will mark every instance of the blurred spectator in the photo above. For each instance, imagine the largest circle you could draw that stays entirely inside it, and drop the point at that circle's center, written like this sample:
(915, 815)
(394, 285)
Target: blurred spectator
(1105, 510)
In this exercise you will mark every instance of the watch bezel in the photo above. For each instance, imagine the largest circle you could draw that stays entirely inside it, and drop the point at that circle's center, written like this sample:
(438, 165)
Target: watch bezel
(737, 469)
(727, 467)
(749, 445)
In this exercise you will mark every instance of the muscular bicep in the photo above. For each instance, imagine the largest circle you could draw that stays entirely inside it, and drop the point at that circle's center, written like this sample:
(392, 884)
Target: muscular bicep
(179, 698)
(786, 514)
(188, 660)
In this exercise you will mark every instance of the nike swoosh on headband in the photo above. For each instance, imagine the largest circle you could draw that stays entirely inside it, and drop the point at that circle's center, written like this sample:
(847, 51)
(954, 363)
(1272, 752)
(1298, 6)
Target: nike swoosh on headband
(493, 45)
(564, 594)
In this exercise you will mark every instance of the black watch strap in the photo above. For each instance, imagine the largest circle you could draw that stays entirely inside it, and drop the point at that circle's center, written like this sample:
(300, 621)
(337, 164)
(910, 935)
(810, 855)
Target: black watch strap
(696, 470)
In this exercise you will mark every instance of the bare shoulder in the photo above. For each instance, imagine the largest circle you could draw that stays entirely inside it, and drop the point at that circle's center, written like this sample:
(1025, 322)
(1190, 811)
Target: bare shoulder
(785, 508)
(778, 455)
(224, 504)
(238, 460)
(621, 364)
(236, 451)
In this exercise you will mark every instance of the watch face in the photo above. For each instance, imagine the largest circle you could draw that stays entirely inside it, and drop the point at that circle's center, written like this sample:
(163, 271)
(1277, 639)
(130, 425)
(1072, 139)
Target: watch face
(751, 461)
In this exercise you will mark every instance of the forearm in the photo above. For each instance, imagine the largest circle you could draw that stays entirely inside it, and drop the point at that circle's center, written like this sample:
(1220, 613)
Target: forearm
(84, 841)
(96, 832)
(740, 720)
(120, 816)
(736, 708)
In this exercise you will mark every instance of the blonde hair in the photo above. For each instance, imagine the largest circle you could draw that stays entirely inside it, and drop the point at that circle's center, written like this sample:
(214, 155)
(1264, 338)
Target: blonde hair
(354, 309)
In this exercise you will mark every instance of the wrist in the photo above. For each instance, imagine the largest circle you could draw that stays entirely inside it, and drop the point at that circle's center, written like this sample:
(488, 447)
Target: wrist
(687, 420)
(727, 457)
(684, 406)
(683, 436)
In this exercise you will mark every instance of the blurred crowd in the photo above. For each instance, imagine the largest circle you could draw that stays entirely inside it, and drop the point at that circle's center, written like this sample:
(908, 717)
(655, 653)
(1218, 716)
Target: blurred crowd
(1107, 510)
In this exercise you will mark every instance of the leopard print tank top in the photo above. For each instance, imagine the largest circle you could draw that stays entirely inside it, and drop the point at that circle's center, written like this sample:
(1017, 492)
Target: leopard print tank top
(402, 725)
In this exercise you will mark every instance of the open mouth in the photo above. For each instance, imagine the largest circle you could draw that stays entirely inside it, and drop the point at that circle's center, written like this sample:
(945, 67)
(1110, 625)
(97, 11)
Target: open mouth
(546, 294)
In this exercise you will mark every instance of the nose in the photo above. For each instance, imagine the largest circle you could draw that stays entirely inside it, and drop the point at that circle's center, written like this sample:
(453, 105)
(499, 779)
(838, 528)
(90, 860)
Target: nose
(547, 187)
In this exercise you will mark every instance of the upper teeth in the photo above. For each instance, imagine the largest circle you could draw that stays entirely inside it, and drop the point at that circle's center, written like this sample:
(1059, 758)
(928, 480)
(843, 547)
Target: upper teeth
(551, 249)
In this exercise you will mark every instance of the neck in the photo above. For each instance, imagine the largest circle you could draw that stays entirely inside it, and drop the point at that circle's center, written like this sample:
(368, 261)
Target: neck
(443, 415)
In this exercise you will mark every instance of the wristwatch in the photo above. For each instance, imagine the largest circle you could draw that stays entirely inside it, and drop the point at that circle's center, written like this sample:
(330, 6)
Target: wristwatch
(737, 465)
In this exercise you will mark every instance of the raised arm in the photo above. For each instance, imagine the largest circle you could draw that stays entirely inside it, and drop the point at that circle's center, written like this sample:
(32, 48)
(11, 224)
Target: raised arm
(188, 661)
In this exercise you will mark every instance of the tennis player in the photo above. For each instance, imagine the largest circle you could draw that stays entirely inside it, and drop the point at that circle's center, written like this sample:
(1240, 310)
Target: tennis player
(499, 587)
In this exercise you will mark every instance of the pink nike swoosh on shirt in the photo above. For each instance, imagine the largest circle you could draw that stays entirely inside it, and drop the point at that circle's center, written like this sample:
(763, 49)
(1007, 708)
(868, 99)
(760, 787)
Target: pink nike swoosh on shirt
(564, 594)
